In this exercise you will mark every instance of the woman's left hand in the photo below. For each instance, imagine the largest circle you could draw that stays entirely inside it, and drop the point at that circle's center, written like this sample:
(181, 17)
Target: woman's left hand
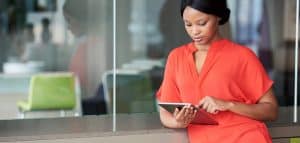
(214, 105)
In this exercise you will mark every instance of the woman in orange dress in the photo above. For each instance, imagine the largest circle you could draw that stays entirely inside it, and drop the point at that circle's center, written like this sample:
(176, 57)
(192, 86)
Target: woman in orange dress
(215, 74)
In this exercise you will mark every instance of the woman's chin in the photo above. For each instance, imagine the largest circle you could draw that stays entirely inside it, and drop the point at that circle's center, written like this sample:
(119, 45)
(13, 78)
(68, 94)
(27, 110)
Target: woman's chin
(200, 43)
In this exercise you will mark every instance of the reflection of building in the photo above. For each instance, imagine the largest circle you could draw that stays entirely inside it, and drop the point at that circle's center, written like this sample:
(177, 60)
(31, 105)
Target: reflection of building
(289, 21)
(41, 5)
(48, 46)
(171, 26)
(144, 22)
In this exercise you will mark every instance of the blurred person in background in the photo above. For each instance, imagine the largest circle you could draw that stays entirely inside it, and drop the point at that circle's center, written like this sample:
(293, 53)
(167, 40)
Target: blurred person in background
(43, 52)
(46, 34)
(88, 60)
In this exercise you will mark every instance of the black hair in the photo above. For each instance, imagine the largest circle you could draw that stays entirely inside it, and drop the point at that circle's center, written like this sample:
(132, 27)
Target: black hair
(215, 7)
(45, 21)
(77, 9)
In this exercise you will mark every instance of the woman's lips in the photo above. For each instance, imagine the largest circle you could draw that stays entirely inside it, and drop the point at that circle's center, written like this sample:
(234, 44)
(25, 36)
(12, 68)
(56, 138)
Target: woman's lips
(198, 39)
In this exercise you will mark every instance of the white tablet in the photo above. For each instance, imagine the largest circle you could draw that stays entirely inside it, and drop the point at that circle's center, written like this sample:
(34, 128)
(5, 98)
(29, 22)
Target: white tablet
(202, 117)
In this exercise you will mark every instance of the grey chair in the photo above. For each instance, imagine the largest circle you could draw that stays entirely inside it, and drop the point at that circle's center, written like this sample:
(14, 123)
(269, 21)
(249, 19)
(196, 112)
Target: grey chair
(134, 93)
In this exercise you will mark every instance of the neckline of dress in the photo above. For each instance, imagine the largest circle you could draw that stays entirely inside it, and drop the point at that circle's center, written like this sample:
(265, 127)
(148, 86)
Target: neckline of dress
(212, 47)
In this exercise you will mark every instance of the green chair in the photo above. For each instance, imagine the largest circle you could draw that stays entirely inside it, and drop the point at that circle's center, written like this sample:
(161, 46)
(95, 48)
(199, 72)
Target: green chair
(134, 92)
(51, 92)
(295, 140)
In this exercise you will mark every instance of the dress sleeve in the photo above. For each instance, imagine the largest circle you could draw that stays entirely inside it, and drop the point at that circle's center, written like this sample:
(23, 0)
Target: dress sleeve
(253, 79)
(168, 91)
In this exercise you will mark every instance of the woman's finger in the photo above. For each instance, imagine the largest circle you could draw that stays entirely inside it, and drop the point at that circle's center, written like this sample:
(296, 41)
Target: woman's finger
(185, 112)
(181, 113)
(215, 111)
(205, 105)
(210, 108)
(175, 112)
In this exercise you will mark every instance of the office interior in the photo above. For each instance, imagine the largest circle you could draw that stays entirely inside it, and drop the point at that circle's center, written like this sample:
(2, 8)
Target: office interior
(51, 37)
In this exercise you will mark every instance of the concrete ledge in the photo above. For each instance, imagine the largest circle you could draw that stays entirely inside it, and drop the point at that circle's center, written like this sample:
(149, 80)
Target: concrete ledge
(134, 128)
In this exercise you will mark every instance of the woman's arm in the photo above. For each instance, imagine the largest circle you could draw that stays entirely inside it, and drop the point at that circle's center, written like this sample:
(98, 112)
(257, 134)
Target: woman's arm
(265, 109)
(179, 119)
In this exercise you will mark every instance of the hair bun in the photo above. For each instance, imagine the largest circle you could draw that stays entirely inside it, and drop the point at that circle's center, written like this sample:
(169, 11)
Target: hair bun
(215, 7)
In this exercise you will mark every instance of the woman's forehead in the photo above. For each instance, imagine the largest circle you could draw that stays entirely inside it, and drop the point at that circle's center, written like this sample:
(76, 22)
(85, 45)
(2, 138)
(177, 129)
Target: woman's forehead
(190, 12)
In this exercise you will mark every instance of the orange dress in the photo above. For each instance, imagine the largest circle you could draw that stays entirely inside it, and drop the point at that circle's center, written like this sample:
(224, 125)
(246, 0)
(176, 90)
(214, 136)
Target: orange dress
(230, 72)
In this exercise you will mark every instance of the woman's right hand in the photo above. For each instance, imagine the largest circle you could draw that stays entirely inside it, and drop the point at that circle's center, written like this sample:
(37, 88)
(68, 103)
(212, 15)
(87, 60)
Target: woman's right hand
(184, 116)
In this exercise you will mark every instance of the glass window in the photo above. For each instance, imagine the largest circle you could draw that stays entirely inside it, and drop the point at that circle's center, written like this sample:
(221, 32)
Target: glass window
(54, 36)
(271, 35)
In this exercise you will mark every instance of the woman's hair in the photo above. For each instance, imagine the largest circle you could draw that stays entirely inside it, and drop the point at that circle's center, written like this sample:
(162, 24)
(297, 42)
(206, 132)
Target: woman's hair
(215, 7)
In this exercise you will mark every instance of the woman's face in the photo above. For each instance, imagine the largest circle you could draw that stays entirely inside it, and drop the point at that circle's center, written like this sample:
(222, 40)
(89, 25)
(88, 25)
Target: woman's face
(201, 27)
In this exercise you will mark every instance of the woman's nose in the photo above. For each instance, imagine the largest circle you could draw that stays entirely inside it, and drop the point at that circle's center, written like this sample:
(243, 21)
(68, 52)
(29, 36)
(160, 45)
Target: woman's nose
(196, 31)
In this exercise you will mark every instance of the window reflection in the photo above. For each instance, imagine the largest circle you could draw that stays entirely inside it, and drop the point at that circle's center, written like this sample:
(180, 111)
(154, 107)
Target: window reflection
(76, 35)
(50, 36)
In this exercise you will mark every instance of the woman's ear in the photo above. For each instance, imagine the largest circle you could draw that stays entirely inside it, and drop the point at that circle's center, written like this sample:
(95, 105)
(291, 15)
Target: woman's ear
(218, 20)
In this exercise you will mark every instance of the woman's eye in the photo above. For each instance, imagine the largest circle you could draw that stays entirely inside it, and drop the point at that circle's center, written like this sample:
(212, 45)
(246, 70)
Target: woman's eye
(188, 25)
(202, 23)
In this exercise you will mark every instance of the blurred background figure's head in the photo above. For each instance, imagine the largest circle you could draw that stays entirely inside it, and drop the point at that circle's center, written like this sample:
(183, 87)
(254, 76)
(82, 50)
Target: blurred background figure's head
(46, 35)
(82, 16)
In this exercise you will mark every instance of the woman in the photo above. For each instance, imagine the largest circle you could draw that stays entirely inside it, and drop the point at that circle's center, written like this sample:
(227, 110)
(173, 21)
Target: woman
(223, 78)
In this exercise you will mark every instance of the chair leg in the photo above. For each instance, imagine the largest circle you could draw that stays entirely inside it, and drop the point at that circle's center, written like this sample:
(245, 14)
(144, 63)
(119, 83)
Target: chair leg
(62, 113)
(22, 115)
(76, 114)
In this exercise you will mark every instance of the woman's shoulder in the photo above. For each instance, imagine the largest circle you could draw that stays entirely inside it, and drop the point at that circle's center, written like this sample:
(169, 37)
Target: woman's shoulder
(240, 50)
(182, 49)
(179, 51)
